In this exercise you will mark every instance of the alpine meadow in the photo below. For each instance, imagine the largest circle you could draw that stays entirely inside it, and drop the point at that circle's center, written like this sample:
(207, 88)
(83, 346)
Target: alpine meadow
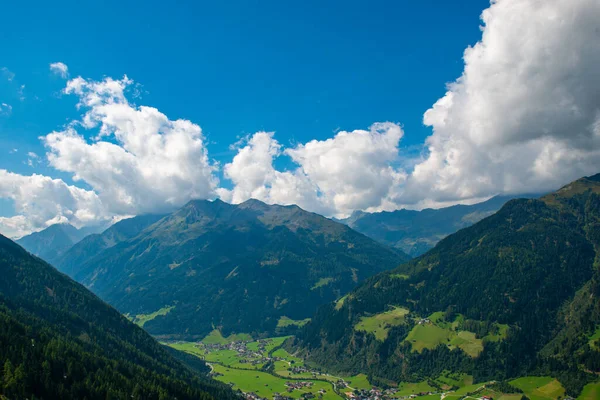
(314, 200)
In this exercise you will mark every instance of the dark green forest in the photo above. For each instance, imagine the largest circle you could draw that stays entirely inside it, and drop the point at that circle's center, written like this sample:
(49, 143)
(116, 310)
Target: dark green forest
(532, 266)
(237, 267)
(59, 341)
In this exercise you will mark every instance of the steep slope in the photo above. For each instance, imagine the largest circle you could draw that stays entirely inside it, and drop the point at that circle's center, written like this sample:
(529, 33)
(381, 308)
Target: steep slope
(59, 341)
(415, 232)
(71, 260)
(53, 241)
(516, 293)
(237, 267)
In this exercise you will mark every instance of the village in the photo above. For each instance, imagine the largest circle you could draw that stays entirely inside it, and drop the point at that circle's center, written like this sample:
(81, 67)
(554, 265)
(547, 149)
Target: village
(278, 375)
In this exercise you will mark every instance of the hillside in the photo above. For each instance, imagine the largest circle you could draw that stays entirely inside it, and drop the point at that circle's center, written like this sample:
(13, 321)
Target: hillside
(52, 242)
(415, 232)
(72, 259)
(59, 341)
(516, 293)
(241, 268)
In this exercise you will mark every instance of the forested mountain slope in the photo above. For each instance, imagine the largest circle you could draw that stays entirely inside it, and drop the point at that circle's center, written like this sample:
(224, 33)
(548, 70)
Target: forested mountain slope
(71, 260)
(516, 293)
(59, 341)
(237, 267)
(415, 232)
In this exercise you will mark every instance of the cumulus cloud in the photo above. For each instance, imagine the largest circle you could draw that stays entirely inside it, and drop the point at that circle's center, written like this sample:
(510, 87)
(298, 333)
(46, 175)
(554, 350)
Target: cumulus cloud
(254, 176)
(524, 115)
(60, 69)
(353, 170)
(139, 161)
(41, 201)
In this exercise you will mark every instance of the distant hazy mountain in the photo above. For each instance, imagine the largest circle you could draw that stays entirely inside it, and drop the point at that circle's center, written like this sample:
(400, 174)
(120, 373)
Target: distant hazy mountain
(515, 294)
(59, 341)
(53, 241)
(71, 261)
(237, 267)
(415, 232)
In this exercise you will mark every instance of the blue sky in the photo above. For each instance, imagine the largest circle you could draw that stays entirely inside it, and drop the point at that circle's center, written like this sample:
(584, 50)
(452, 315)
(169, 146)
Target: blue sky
(301, 69)
(319, 75)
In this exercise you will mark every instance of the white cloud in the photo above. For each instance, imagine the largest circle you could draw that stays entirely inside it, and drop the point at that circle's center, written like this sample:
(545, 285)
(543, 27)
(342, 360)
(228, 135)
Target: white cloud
(524, 115)
(254, 176)
(5, 109)
(140, 161)
(353, 170)
(32, 159)
(40, 201)
(60, 69)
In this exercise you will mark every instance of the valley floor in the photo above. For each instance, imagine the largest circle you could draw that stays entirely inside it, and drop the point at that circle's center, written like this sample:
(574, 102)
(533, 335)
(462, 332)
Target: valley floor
(262, 369)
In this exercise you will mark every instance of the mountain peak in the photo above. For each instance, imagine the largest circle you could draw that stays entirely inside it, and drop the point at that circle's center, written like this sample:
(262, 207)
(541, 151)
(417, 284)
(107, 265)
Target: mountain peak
(582, 185)
(254, 204)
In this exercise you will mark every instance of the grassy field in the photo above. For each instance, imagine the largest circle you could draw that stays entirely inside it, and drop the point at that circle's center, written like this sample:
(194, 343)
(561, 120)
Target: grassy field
(380, 324)
(468, 343)
(438, 331)
(251, 378)
(141, 319)
(188, 347)
(339, 303)
(267, 385)
(285, 322)
(539, 387)
(243, 375)
(428, 336)
(593, 338)
(406, 388)
(322, 282)
(449, 380)
(215, 337)
(591, 391)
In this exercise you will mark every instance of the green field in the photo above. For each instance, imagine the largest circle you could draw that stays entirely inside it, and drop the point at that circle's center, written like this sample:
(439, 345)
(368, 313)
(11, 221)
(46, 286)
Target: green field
(449, 380)
(591, 391)
(593, 338)
(539, 387)
(285, 322)
(380, 324)
(322, 282)
(141, 319)
(267, 385)
(468, 343)
(429, 335)
(215, 337)
(339, 303)
(187, 347)
(243, 375)
(406, 388)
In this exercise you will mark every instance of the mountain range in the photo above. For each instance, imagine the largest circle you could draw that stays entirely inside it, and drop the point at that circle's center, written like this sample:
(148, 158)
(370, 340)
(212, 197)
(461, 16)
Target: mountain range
(239, 268)
(59, 341)
(514, 294)
(415, 232)
(52, 242)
